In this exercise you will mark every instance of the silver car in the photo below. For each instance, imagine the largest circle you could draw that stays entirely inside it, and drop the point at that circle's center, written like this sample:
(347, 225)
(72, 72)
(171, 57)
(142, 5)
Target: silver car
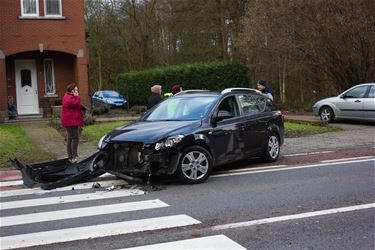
(356, 103)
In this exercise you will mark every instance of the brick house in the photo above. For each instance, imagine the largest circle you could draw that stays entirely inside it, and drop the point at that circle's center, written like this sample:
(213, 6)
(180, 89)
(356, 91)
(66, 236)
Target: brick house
(42, 49)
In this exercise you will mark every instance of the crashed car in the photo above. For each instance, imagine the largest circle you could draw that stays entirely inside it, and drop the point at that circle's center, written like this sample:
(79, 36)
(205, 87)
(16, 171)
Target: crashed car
(190, 133)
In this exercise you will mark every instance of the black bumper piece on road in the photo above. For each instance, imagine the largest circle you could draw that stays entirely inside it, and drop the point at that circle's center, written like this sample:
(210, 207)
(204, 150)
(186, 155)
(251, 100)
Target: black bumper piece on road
(59, 173)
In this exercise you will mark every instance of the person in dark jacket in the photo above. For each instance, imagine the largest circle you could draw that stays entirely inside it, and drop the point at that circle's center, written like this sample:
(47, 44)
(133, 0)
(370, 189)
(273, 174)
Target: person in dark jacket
(155, 96)
(262, 87)
(72, 120)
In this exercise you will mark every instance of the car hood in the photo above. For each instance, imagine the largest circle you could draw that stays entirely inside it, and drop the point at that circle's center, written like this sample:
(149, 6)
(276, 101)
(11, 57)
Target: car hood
(151, 132)
(114, 98)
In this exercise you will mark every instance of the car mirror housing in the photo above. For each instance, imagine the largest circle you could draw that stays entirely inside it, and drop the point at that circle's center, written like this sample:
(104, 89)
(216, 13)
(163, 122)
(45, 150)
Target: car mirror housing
(222, 115)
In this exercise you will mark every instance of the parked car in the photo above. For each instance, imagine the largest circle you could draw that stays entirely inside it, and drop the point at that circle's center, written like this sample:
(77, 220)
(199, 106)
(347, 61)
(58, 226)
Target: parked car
(109, 98)
(187, 134)
(190, 133)
(356, 103)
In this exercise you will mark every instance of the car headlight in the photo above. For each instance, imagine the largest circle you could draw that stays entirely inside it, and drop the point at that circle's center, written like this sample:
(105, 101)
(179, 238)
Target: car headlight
(169, 142)
(100, 144)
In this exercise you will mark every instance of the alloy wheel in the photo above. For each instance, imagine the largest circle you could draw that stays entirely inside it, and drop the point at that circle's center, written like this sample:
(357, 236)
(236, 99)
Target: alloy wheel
(195, 165)
(273, 147)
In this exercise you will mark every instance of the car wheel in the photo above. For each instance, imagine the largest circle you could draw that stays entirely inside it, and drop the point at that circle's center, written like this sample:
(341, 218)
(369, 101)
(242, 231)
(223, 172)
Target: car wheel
(195, 165)
(272, 150)
(326, 114)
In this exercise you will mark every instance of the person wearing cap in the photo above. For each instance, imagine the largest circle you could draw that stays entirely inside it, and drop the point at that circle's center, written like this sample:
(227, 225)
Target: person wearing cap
(155, 96)
(262, 87)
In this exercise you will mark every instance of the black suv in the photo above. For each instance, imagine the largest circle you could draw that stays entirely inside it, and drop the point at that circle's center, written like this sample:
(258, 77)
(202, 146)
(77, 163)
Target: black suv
(190, 133)
(186, 135)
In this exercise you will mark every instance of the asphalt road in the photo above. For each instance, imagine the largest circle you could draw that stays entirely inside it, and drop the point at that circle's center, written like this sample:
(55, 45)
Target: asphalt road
(245, 208)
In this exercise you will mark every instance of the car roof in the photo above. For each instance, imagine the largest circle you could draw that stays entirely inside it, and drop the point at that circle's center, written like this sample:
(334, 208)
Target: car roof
(203, 92)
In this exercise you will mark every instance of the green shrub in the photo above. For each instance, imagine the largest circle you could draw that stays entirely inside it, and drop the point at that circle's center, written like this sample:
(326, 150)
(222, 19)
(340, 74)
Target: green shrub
(211, 76)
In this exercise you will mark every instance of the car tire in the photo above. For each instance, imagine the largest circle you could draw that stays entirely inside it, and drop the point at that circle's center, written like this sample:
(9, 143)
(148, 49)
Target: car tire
(272, 148)
(326, 114)
(195, 165)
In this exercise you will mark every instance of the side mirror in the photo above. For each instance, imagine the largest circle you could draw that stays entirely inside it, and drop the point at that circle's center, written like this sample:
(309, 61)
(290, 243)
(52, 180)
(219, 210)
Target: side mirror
(222, 115)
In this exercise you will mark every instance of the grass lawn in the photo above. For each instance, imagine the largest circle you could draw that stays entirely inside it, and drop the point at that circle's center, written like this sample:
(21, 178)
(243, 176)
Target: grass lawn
(96, 131)
(293, 129)
(14, 143)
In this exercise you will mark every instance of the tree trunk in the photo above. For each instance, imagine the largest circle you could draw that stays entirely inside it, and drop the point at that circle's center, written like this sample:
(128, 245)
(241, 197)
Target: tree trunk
(222, 33)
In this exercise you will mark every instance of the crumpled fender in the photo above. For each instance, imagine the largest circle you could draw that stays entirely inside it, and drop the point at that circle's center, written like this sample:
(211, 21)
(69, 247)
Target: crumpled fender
(59, 173)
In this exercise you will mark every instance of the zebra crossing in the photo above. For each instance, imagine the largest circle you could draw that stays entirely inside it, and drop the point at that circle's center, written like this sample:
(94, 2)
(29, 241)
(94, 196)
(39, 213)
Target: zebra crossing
(21, 208)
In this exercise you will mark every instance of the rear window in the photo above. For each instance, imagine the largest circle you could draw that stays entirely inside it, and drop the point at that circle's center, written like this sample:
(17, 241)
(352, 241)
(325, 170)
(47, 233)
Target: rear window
(252, 104)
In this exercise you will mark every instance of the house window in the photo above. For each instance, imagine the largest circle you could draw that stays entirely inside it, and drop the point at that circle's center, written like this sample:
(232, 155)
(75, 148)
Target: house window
(49, 77)
(52, 7)
(29, 8)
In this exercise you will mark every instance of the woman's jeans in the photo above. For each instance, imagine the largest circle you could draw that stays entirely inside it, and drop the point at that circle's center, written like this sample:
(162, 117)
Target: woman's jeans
(72, 141)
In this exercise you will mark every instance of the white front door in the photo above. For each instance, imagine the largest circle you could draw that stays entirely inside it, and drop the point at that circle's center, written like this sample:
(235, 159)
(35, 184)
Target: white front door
(26, 87)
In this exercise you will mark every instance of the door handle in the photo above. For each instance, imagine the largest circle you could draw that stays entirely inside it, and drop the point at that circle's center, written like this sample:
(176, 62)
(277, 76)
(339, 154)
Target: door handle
(36, 92)
(357, 101)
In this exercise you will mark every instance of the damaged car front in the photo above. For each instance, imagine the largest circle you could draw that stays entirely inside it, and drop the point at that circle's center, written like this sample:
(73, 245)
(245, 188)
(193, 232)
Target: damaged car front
(154, 144)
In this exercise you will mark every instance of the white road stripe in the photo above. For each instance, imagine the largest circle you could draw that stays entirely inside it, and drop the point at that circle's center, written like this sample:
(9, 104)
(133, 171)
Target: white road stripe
(309, 153)
(20, 182)
(210, 242)
(103, 230)
(293, 217)
(70, 198)
(10, 183)
(250, 168)
(39, 191)
(80, 212)
(291, 168)
(347, 159)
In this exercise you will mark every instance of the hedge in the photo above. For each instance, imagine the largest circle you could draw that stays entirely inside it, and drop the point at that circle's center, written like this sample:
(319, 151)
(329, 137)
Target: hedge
(135, 86)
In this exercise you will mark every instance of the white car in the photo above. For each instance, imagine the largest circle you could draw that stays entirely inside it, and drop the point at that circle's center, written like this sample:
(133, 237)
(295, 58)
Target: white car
(356, 103)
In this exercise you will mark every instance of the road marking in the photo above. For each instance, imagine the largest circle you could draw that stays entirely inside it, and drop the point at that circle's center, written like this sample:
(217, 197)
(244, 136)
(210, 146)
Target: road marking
(309, 153)
(20, 182)
(103, 230)
(290, 168)
(210, 242)
(39, 191)
(70, 198)
(347, 159)
(10, 183)
(293, 217)
(250, 168)
(80, 212)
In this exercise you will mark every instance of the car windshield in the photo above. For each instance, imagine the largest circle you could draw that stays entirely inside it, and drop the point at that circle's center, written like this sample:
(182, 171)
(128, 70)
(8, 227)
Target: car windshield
(110, 94)
(181, 109)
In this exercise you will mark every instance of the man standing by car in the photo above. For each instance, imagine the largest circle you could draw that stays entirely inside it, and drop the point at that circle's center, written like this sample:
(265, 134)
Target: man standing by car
(262, 87)
(155, 96)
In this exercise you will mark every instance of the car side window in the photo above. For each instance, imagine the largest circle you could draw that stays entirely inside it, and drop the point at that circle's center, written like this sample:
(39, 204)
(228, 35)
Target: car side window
(252, 104)
(358, 92)
(371, 94)
(229, 104)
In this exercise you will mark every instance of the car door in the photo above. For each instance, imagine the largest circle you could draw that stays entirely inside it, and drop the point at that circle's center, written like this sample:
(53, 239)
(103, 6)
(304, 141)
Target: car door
(225, 135)
(369, 104)
(254, 122)
(351, 103)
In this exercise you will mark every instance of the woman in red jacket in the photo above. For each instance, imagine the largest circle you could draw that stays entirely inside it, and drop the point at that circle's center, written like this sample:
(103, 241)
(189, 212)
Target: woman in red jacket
(72, 119)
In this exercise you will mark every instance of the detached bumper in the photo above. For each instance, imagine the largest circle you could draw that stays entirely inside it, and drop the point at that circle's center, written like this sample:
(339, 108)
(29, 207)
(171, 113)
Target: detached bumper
(54, 174)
